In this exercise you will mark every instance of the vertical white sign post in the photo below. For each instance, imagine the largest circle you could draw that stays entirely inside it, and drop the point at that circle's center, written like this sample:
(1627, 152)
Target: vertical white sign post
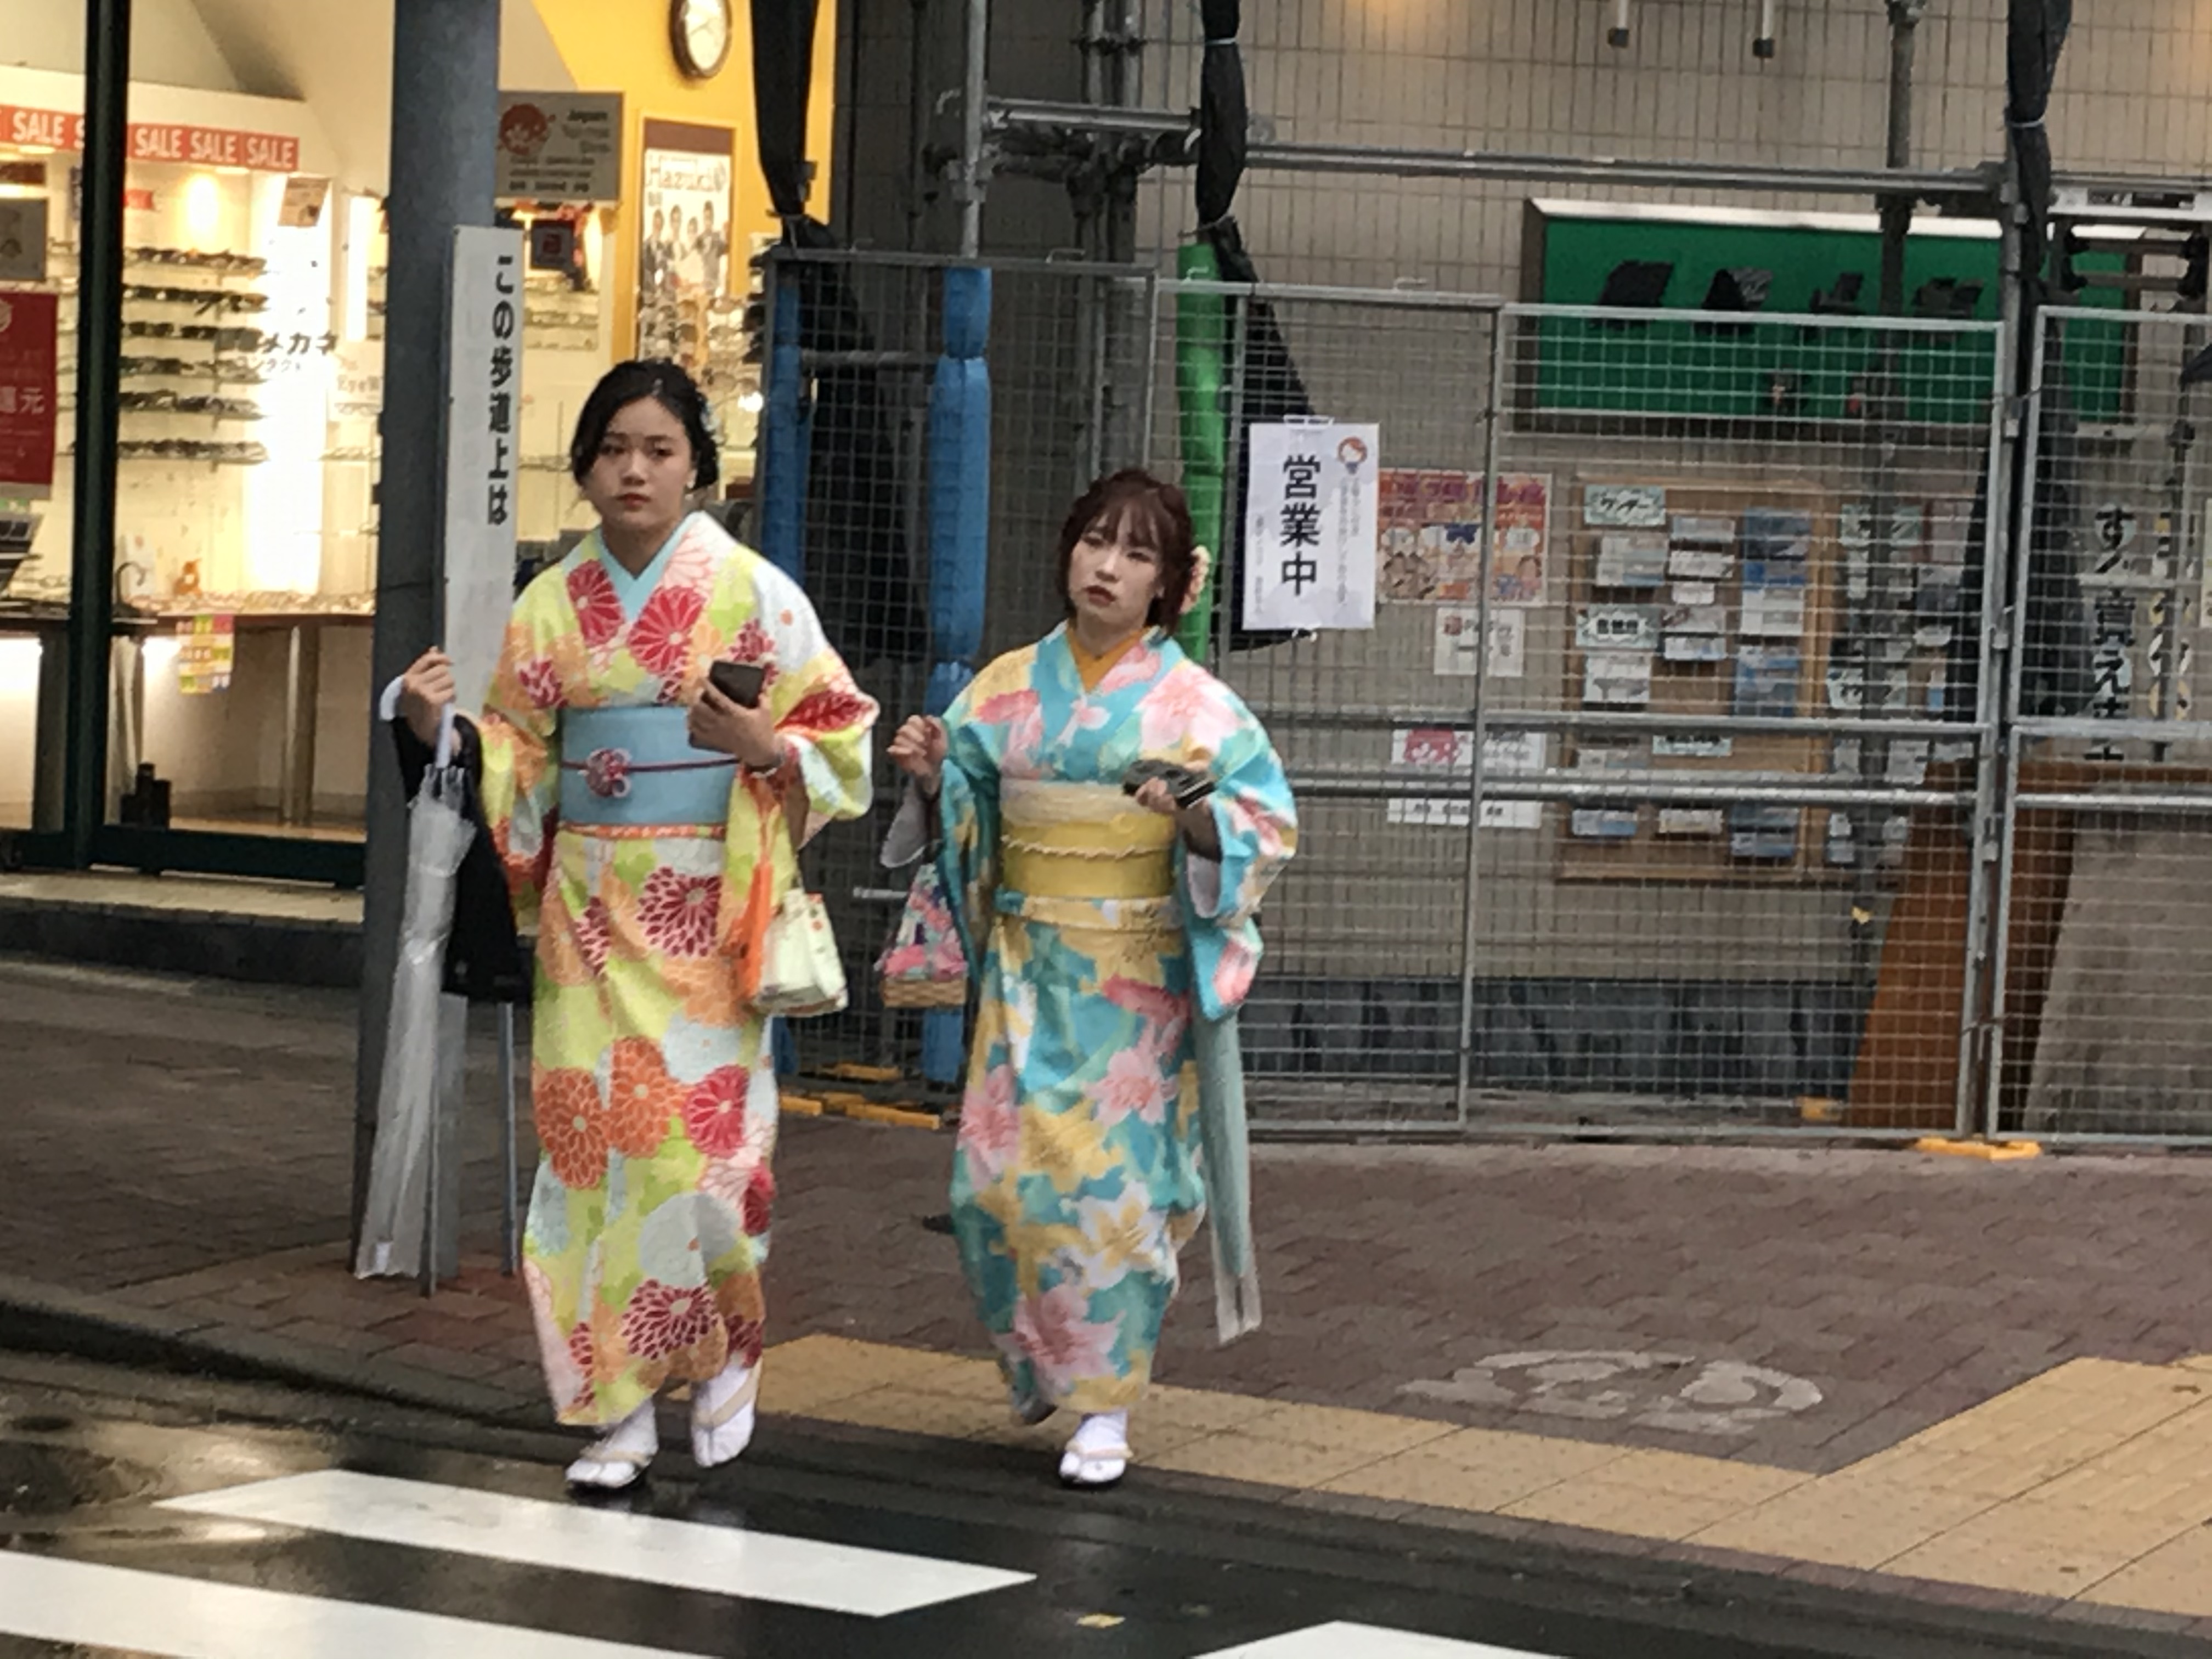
(484, 392)
(484, 405)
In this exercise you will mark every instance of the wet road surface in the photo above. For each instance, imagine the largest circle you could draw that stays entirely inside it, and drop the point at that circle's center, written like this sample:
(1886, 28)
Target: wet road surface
(165, 1515)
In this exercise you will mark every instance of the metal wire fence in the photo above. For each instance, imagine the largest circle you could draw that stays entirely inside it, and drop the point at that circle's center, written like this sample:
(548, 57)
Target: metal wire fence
(1711, 768)
(2108, 842)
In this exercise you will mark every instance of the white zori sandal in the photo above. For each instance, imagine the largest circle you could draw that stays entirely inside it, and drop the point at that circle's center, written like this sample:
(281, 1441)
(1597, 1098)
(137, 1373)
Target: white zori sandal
(617, 1458)
(1099, 1455)
(722, 1415)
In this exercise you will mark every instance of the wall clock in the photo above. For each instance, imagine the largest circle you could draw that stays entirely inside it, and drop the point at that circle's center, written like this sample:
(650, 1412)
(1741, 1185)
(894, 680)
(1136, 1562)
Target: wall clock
(701, 30)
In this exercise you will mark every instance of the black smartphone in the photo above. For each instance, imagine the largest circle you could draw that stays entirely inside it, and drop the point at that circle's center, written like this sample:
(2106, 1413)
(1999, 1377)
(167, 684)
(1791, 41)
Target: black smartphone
(1189, 788)
(740, 682)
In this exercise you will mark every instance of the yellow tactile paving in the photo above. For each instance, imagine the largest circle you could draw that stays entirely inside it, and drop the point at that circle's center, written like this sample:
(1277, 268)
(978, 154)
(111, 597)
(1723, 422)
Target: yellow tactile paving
(2030, 1549)
(1475, 1470)
(1845, 1522)
(2176, 1577)
(1657, 1494)
(2091, 1481)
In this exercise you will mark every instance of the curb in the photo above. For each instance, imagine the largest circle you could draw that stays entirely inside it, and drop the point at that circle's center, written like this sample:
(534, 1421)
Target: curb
(46, 1319)
(212, 944)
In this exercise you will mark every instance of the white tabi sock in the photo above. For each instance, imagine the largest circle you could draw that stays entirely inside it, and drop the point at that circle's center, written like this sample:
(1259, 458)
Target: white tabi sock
(617, 1458)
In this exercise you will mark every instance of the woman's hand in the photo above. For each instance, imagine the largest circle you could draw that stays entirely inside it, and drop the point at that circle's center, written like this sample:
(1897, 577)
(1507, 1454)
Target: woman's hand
(1195, 822)
(426, 691)
(918, 751)
(730, 728)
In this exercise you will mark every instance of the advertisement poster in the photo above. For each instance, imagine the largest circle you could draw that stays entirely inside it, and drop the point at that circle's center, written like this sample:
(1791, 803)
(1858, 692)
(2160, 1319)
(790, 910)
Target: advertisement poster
(559, 147)
(683, 248)
(1451, 751)
(1458, 627)
(1431, 536)
(1310, 526)
(29, 389)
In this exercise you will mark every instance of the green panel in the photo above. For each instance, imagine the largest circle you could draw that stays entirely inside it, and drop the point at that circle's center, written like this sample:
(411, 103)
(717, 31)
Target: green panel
(1781, 370)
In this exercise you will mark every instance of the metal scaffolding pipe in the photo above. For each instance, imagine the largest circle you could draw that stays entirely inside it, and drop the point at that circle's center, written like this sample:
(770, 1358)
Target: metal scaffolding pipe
(974, 90)
(1173, 131)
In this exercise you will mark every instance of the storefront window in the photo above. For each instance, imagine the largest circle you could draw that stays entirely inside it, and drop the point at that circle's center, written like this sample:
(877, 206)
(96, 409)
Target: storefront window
(38, 333)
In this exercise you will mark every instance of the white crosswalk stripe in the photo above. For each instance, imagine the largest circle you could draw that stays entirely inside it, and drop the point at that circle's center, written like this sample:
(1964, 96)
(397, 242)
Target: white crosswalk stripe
(1343, 1641)
(84, 1604)
(572, 1538)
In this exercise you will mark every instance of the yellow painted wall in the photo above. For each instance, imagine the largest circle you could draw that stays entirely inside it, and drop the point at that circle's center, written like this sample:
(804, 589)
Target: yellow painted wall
(623, 45)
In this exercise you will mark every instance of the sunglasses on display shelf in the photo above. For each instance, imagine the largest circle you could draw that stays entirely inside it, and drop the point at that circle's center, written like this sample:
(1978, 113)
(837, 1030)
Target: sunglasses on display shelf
(192, 449)
(133, 367)
(223, 339)
(200, 299)
(134, 401)
(230, 265)
(223, 408)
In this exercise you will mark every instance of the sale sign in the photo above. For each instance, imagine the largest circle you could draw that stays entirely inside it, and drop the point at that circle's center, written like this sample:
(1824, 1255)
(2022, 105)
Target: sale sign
(29, 389)
(155, 141)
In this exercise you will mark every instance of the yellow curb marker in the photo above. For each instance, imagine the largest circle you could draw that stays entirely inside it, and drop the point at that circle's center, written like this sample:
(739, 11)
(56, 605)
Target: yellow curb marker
(1995, 1498)
(1989, 1151)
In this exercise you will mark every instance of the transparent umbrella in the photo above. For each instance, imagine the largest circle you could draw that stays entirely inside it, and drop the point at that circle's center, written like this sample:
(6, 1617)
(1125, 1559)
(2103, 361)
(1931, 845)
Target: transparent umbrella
(395, 1223)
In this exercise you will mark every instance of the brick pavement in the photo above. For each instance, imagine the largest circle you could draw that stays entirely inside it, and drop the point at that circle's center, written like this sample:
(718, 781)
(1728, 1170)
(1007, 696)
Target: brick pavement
(183, 1147)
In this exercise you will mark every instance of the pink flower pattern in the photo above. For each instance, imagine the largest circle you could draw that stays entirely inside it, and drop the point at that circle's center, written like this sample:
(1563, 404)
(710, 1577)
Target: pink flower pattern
(714, 1114)
(1136, 1084)
(1060, 1338)
(991, 1123)
(678, 912)
(663, 1319)
(541, 684)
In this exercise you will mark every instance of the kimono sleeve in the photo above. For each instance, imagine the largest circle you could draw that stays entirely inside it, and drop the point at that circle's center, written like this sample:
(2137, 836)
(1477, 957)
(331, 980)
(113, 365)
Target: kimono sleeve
(1257, 823)
(822, 718)
(521, 735)
(967, 819)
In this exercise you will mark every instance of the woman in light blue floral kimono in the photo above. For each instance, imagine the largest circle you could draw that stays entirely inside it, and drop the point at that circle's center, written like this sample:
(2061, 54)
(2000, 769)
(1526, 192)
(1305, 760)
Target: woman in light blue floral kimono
(1114, 936)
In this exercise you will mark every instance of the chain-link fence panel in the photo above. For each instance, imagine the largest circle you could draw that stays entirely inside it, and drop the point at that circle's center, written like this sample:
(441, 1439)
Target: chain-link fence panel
(2101, 979)
(1733, 720)
(870, 328)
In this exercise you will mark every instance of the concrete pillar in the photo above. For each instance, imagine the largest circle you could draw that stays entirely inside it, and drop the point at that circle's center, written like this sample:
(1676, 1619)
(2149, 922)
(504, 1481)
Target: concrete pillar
(445, 122)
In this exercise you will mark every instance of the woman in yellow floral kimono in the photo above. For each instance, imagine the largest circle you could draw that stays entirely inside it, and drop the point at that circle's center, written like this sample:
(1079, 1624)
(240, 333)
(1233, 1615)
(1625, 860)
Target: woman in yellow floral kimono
(1109, 816)
(649, 820)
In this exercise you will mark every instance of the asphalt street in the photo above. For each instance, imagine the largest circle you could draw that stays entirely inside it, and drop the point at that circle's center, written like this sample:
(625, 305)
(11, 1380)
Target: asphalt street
(150, 1514)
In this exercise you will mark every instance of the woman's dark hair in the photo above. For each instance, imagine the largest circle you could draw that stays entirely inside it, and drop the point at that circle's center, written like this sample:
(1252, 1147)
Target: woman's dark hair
(1147, 511)
(667, 384)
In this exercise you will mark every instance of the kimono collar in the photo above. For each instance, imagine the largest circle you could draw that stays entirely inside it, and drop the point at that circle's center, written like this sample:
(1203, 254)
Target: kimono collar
(1086, 672)
(635, 591)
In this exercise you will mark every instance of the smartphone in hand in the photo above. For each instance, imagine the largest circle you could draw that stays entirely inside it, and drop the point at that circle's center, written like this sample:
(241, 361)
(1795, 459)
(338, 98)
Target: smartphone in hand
(742, 683)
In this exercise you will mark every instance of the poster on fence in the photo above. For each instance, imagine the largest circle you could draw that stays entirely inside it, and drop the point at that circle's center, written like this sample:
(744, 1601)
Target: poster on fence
(1431, 536)
(1451, 751)
(1310, 526)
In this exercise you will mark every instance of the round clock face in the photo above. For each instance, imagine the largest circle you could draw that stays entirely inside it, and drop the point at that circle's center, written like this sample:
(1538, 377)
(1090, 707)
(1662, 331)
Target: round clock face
(701, 31)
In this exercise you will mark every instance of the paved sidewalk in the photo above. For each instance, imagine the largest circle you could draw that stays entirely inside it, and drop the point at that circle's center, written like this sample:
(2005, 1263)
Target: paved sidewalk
(1969, 1381)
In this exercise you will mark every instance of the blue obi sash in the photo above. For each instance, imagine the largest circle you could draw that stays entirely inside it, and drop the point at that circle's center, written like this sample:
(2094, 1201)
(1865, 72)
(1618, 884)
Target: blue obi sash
(636, 766)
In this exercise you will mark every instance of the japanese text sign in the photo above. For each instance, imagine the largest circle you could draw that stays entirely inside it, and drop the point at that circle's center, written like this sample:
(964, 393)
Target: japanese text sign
(483, 430)
(1311, 526)
(28, 391)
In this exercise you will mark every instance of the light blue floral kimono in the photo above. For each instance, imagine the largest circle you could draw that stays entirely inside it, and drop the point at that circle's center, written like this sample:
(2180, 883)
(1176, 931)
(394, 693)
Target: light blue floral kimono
(1082, 1166)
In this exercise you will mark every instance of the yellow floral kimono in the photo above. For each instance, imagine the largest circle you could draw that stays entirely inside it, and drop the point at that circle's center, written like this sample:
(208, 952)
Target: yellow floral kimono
(654, 868)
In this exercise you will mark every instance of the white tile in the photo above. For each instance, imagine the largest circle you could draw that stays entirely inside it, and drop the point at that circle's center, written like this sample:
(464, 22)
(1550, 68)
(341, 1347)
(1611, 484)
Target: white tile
(83, 1604)
(759, 1566)
(1343, 1641)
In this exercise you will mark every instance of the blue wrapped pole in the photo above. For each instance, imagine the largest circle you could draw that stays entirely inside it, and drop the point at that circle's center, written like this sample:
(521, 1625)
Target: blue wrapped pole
(959, 470)
(784, 435)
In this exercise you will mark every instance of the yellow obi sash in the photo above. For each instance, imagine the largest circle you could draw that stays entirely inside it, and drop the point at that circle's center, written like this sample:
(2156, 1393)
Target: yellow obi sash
(1082, 841)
